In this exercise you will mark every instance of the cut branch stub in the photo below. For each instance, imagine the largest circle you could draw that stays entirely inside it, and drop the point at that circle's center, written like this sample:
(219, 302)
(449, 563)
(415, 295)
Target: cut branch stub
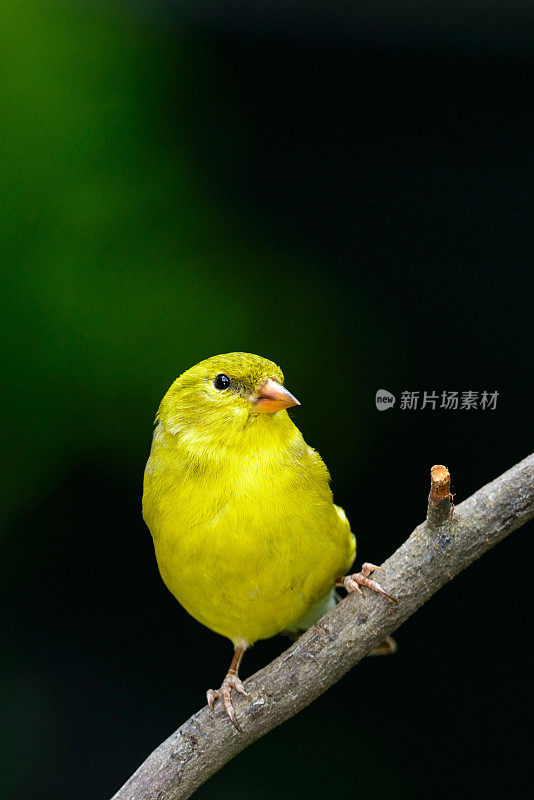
(439, 500)
(440, 483)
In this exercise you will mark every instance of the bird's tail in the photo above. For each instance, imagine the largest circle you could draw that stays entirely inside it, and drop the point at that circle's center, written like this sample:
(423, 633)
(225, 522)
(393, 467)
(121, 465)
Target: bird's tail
(385, 648)
(314, 614)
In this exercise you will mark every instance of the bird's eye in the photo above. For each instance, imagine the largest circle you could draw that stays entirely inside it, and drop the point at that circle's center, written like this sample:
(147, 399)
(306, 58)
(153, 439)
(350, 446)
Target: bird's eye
(221, 382)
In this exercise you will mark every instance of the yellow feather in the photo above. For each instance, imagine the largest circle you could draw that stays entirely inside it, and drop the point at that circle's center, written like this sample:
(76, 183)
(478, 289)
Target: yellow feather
(246, 534)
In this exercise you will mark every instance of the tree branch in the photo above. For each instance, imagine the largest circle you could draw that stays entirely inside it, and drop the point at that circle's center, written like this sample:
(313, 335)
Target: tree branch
(436, 551)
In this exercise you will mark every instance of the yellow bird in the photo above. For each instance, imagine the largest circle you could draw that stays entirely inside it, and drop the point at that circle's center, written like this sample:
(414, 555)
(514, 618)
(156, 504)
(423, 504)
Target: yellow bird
(246, 533)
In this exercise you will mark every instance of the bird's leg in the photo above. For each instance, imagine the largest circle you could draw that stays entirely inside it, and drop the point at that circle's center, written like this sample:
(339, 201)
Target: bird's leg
(230, 682)
(352, 583)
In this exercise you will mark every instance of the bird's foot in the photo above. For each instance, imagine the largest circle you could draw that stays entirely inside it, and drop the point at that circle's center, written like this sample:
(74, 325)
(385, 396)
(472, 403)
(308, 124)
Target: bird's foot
(353, 582)
(225, 694)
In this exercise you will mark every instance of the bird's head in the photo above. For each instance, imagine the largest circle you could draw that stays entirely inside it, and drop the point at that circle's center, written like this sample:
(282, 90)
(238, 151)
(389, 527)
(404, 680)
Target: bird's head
(224, 396)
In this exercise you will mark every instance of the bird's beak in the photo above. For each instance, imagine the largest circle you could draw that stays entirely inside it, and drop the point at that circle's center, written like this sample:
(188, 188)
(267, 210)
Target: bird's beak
(272, 397)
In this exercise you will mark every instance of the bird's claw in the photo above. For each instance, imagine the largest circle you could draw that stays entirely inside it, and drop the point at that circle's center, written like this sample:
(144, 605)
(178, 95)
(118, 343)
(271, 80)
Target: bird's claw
(353, 582)
(225, 694)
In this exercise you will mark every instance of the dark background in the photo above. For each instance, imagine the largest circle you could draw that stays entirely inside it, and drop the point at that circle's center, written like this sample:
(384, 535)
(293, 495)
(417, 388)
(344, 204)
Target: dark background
(344, 189)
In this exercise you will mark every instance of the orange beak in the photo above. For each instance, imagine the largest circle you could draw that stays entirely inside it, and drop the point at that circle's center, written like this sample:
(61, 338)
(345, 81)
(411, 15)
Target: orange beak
(272, 397)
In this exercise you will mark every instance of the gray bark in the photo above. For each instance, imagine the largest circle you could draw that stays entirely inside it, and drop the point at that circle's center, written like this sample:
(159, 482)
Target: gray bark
(436, 551)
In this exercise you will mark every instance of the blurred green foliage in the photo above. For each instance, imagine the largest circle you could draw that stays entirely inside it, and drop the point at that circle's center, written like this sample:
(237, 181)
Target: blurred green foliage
(122, 265)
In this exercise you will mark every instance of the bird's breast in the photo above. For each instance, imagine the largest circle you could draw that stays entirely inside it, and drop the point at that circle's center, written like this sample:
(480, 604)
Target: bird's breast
(248, 549)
